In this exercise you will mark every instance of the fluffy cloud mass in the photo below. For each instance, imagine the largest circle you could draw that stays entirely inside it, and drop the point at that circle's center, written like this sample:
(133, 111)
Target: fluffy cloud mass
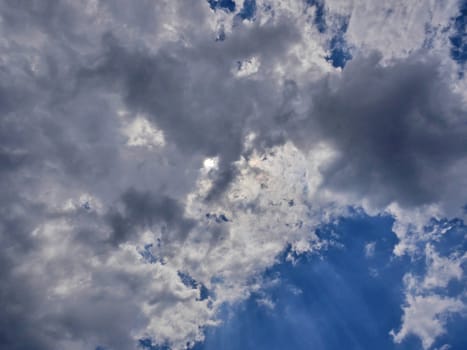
(157, 156)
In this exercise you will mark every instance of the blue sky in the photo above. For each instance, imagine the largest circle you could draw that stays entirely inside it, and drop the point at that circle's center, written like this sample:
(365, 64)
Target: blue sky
(343, 299)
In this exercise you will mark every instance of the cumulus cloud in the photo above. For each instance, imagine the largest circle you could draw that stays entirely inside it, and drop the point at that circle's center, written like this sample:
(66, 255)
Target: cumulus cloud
(157, 157)
(425, 316)
(398, 128)
(428, 303)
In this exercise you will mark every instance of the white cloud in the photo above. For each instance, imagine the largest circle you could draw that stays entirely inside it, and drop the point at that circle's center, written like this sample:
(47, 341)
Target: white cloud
(441, 270)
(426, 311)
(266, 303)
(426, 317)
(141, 133)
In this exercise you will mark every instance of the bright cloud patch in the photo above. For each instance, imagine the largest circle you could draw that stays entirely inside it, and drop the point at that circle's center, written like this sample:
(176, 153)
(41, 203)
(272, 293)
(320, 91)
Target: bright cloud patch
(140, 133)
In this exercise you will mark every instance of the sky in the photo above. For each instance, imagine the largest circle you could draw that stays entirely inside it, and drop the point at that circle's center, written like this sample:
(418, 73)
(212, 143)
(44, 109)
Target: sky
(220, 174)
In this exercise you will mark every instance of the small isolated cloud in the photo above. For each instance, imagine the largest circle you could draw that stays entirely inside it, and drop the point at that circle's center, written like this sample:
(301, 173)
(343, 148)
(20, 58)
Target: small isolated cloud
(370, 249)
(426, 317)
(266, 302)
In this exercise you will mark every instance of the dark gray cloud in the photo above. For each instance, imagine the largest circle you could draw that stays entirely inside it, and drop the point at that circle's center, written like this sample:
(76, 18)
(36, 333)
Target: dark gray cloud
(191, 93)
(398, 129)
(143, 210)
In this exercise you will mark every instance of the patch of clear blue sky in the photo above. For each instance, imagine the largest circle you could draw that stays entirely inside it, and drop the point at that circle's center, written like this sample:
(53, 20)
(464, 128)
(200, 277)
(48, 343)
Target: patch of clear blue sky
(339, 51)
(226, 5)
(190, 282)
(248, 11)
(320, 19)
(459, 37)
(348, 300)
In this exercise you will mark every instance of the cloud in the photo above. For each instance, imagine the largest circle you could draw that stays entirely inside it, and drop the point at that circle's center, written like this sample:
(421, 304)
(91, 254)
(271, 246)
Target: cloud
(143, 211)
(428, 305)
(397, 127)
(425, 316)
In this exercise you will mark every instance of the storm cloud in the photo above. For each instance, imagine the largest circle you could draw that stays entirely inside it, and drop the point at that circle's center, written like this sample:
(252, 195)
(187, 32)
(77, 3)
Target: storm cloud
(399, 130)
